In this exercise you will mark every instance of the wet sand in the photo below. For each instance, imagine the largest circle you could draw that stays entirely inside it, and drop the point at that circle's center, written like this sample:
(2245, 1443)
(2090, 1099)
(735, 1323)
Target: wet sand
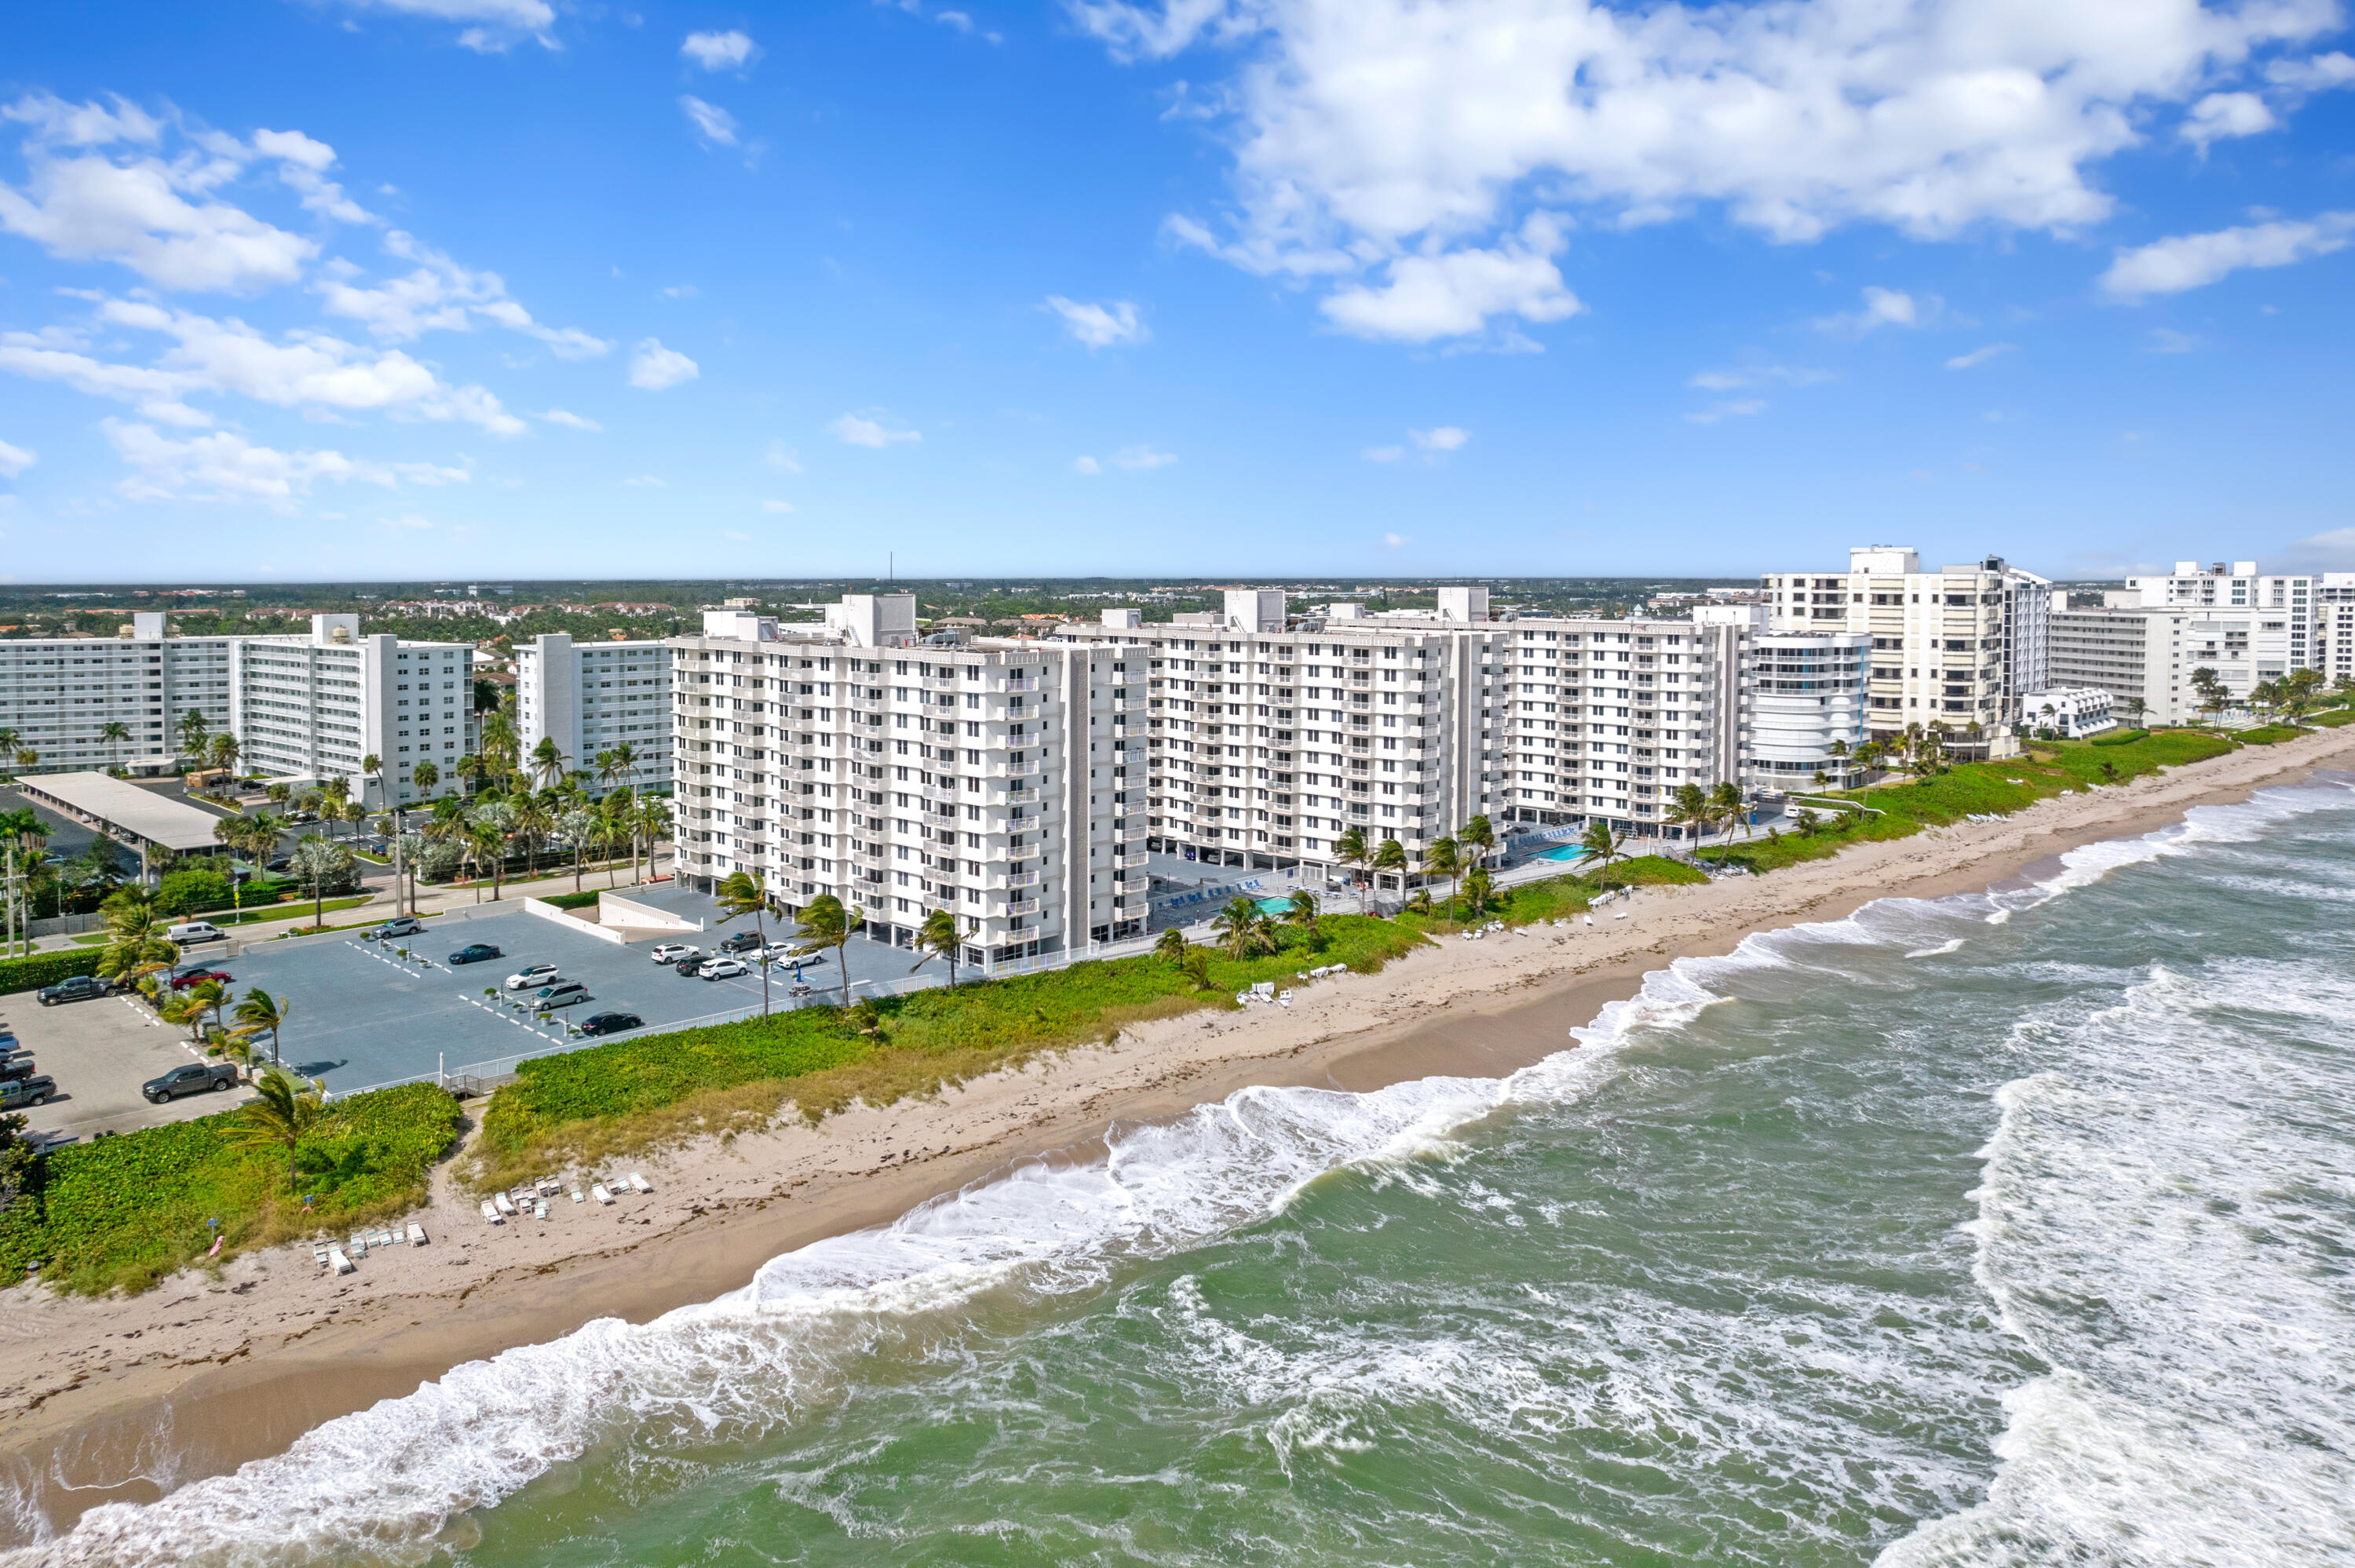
(123, 1400)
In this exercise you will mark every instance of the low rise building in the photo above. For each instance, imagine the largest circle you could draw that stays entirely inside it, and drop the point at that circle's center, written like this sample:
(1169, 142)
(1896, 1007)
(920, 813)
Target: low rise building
(2072, 712)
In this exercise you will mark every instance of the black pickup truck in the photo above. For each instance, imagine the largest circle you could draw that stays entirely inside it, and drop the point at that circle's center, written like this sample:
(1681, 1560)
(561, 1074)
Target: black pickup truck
(195, 1078)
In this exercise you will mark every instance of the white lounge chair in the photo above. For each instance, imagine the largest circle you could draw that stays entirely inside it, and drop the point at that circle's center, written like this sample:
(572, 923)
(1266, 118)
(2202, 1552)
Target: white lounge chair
(578, 1196)
(416, 1235)
(506, 1203)
(640, 1182)
(597, 1191)
(539, 1210)
(491, 1213)
(337, 1261)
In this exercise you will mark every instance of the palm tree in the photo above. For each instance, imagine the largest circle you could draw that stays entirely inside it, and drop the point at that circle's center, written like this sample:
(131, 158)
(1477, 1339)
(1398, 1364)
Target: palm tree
(1726, 800)
(1477, 888)
(224, 750)
(315, 860)
(283, 1112)
(489, 824)
(1237, 925)
(1477, 837)
(1603, 846)
(232, 831)
(115, 732)
(193, 732)
(1349, 850)
(546, 762)
(425, 776)
(1390, 857)
(740, 893)
(501, 748)
(1171, 948)
(338, 789)
(373, 766)
(1302, 912)
(534, 824)
(576, 825)
(938, 938)
(1688, 808)
(826, 924)
(258, 1011)
(625, 758)
(134, 938)
(1838, 752)
(2214, 696)
(650, 820)
(1441, 857)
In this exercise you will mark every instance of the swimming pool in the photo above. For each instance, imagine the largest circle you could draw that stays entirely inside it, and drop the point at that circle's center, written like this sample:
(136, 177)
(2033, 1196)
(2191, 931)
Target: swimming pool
(1561, 852)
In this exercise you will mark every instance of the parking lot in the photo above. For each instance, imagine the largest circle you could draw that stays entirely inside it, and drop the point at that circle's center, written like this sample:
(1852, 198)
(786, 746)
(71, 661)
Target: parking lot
(100, 1052)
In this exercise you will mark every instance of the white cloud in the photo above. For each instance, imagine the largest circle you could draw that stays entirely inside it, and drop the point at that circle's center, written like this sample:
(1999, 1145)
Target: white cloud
(302, 166)
(227, 467)
(1393, 541)
(1383, 454)
(1738, 408)
(1100, 326)
(2167, 340)
(740, 538)
(646, 481)
(2221, 115)
(91, 209)
(1367, 132)
(500, 24)
(731, 50)
(564, 417)
(2193, 260)
(440, 295)
(713, 124)
(1758, 376)
(311, 371)
(776, 506)
(1142, 458)
(2318, 74)
(1884, 307)
(854, 430)
(2330, 551)
(1086, 465)
(1454, 293)
(407, 523)
(782, 458)
(1444, 439)
(1979, 356)
(654, 367)
(15, 461)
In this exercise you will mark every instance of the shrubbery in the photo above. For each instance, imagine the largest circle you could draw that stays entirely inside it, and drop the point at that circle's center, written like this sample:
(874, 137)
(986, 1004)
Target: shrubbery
(2119, 737)
(192, 890)
(38, 969)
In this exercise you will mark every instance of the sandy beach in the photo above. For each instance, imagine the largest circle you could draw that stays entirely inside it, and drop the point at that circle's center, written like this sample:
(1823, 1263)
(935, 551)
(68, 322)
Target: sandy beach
(125, 1399)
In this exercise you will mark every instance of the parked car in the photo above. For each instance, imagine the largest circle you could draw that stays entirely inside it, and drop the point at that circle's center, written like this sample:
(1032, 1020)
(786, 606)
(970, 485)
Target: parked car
(33, 1091)
(15, 1067)
(301, 818)
(774, 951)
(740, 942)
(196, 1078)
(564, 993)
(690, 965)
(475, 953)
(802, 988)
(531, 979)
(611, 1023)
(76, 987)
(723, 969)
(199, 976)
(195, 931)
(671, 952)
(399, 926)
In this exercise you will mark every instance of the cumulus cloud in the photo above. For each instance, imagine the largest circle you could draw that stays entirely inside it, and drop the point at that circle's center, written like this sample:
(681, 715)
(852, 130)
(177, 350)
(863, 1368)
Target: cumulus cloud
(1100, 326)
(2318, 74)
(776, 506)
(854, 429)
(1393, 541)
(1382, 131)
(1454, 293)
(732, 51)
(309, 371)
(1738, 408)
(2194, 260)
(782, 458)
(1444, 439)
(1732, 380)
(440, 295)
(1086, 465)
(654, 367)
(1142, 458)
(15, 461)
(564, 417)
(1383, 454)
(1979, 356)
(646, 481)
(714, 126)
(496, 24)
(2330, 551)
(224, 466)
(1883, 307)
(2221, 115)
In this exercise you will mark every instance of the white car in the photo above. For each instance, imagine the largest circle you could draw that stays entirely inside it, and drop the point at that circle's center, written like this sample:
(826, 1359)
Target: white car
(533, 978)
(671, 952)
(723, 969)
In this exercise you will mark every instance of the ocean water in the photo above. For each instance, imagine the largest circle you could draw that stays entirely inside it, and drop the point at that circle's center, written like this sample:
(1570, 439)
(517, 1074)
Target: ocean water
(2014, 1228)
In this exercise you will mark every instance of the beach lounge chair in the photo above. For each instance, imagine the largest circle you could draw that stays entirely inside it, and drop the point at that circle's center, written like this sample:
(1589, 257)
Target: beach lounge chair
(578, 1196)
(416, 1235)
(337, 1261)
(320, 1253)
(358, 1244)
(539, 1210)
(597, 1191)
(640, 1182)
(491, 1213)
(506, 1203)
(1618, 914)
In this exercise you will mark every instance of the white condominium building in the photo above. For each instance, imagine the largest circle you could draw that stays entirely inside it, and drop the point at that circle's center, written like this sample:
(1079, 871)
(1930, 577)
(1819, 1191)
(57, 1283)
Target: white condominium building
(2334, 625)
(2284, 608)
(1955, 648)
(313, 708)
(59, 695)
(594, 698)
(1000, 780)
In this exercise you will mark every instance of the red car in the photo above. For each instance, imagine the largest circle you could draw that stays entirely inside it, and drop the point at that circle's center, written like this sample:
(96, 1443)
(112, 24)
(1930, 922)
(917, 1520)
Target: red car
(199, 976)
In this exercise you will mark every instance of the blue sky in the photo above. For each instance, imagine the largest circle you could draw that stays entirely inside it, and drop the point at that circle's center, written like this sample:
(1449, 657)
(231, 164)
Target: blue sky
(323, 288)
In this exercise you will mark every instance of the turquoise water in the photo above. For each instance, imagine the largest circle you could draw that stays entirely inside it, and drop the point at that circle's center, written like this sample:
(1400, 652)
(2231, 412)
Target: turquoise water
(1562, 851)
(2009, 1229)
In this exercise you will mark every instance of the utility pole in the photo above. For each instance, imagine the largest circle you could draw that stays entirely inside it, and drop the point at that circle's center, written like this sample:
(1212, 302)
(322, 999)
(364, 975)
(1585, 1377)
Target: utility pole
(398, 906)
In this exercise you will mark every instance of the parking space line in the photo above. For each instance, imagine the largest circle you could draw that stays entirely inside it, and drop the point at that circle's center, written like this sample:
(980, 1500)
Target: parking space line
(401, 964)
(505, 1014)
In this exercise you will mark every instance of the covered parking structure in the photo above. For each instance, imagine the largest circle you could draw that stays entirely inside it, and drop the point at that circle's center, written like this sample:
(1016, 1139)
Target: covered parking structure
(160, 828)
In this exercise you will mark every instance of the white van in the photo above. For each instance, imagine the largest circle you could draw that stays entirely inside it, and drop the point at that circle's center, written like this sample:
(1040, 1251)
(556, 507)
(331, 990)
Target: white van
(196, 931)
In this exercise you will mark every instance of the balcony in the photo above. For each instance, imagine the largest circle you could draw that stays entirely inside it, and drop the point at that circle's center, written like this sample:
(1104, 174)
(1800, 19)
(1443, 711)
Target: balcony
(1022, 907)
(1016, 879)
(1030, 684)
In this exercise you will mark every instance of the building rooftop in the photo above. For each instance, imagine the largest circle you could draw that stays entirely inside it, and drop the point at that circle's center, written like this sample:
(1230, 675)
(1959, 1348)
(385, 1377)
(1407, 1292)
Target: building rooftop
(100, 799)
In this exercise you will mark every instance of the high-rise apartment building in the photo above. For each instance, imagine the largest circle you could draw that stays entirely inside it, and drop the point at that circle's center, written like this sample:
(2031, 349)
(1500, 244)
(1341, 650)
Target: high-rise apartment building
(317, 707)
(2334, 625)
(61, 696)
(1955, 648)
(998, 779)
(594, 699)
(2282, 608)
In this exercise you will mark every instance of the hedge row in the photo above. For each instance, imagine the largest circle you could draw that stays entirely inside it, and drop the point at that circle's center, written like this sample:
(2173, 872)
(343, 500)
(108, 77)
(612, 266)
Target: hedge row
(2119, 737)
(38, 969)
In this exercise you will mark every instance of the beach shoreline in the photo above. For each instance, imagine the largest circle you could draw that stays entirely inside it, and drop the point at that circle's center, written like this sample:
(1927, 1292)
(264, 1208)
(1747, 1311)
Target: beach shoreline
(123, 1400)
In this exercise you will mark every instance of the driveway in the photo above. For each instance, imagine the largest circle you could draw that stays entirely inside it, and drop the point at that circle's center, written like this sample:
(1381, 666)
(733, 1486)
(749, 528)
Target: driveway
(100, 1052)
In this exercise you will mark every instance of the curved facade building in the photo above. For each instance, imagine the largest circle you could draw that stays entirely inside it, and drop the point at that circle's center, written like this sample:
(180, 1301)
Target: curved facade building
(1803, 692)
